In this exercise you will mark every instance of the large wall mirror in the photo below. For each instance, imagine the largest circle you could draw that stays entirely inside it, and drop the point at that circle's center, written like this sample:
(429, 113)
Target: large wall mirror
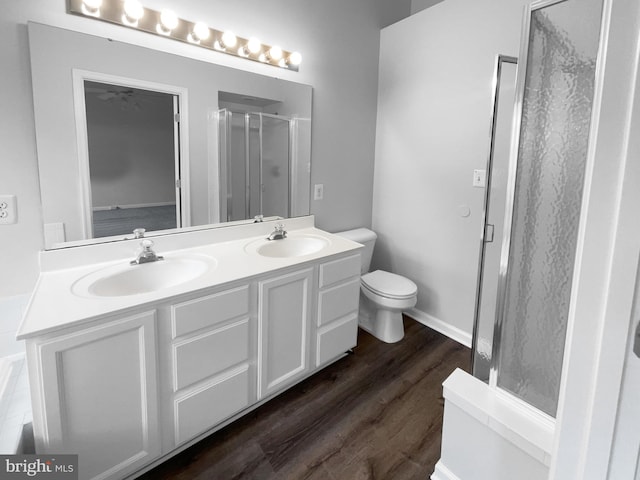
(130, 137)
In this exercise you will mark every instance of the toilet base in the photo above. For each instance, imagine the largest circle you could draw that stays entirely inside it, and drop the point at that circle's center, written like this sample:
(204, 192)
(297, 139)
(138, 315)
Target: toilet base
(384, 324)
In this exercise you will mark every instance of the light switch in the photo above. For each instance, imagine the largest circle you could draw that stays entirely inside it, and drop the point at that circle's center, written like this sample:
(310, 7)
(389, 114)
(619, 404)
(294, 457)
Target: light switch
(479, 177)
(318, 191)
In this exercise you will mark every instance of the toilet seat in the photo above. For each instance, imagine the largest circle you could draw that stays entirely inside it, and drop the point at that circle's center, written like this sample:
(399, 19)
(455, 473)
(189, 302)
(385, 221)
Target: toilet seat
(389, 285)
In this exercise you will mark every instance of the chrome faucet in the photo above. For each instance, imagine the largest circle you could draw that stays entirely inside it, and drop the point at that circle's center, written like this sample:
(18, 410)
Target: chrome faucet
(278, 234)
(146, 254)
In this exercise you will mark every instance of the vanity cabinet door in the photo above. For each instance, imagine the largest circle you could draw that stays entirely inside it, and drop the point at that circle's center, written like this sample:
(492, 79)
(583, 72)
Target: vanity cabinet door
(97, 396)
(284, 309)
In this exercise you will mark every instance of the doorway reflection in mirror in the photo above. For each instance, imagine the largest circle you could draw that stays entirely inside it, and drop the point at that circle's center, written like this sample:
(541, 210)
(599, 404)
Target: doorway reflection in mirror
(133, 163)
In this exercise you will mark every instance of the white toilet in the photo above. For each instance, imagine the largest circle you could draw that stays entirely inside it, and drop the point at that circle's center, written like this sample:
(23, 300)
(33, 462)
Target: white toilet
(383, 295)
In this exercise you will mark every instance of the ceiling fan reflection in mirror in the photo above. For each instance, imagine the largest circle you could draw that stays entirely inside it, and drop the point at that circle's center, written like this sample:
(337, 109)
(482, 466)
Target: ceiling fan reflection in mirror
(120, 96)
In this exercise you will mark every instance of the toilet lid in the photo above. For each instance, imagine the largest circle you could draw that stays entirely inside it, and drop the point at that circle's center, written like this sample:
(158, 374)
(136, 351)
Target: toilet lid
(389, 285)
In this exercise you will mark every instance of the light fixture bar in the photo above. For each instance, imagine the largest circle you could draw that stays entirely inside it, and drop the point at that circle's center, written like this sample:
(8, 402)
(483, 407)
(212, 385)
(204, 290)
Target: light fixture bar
(167, 25)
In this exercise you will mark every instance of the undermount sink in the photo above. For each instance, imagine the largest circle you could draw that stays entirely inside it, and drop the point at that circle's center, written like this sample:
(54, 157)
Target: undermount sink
(291, 246)
(125, 279)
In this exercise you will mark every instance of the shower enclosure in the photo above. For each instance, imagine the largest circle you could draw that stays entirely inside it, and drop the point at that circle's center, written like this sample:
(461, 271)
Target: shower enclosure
(525, 316)
(257, 164)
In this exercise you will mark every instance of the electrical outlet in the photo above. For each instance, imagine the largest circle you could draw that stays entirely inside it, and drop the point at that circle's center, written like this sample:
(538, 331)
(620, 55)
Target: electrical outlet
(479, 177)
(8, 212)
(318, 191)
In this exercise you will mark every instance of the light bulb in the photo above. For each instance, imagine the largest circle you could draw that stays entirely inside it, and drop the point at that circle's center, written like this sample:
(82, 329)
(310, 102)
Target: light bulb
(133, 11)
(168, 21)
(254, 45)
(91, 7)
(275, 53)
(199, 33)
(229, 38)
(295, 59)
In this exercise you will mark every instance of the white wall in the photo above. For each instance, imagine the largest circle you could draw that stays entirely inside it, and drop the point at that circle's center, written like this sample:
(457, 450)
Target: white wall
(327, 33)
(434, 106)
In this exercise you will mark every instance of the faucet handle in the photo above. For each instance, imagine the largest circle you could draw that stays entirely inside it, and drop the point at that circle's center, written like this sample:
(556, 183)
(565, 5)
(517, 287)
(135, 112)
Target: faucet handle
(139, 232)
(146, 244)
(258, 219)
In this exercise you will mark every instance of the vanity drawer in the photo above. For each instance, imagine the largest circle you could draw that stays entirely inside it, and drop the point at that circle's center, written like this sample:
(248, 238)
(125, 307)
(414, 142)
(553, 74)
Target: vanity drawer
(208, 311)
(335, 339)
(338, 270)
(202, 409)
(210, 353)
(338, 301)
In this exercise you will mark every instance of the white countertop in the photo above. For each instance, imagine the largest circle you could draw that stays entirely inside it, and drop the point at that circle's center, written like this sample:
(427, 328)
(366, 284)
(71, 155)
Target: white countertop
(53, 305)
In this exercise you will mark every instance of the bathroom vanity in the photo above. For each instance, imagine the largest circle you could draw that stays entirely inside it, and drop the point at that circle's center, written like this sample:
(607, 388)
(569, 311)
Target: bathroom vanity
(129, 368)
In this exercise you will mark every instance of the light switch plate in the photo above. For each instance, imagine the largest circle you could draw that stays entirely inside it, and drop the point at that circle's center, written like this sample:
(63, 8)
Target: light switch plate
(8, 211)
(318, 191)
(479, 178)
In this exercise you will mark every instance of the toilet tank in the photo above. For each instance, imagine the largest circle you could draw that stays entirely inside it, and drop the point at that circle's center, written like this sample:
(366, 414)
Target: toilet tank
(367, 238)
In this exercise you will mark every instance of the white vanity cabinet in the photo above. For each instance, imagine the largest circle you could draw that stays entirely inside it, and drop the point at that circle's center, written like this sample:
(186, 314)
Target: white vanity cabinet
(125, 390)
(94, 394)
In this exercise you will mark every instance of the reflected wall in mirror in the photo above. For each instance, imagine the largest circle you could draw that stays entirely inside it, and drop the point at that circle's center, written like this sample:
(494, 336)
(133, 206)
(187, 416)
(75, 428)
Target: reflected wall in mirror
(66, 179)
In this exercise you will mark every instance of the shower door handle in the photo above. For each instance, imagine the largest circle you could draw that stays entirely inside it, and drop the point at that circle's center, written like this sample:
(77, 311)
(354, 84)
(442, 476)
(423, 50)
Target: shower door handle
(488, 233)
(636, 341)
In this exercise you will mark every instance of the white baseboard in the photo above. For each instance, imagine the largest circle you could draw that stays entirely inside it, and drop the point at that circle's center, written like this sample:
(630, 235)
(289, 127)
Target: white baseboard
(442, 473)
(454, 333)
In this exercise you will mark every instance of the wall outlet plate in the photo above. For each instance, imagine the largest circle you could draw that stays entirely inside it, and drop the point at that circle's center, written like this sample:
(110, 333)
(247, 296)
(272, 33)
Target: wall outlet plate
(8, 210)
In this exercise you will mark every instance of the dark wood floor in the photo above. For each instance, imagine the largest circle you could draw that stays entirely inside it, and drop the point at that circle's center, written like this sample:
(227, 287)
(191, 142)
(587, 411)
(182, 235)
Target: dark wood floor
(374, 415)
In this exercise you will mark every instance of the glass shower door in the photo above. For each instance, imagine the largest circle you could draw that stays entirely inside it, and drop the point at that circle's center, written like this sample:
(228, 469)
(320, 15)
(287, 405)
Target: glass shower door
(276, 161)
(255, 164)
(494, 207)
(538, 255)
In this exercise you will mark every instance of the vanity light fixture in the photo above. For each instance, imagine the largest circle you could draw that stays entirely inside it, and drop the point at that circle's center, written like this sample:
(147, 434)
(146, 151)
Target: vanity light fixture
(91, 7)
(132, 14)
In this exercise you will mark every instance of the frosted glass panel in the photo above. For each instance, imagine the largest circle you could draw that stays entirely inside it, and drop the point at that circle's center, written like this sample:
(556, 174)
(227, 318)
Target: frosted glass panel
(556, 113)
(275, 158)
